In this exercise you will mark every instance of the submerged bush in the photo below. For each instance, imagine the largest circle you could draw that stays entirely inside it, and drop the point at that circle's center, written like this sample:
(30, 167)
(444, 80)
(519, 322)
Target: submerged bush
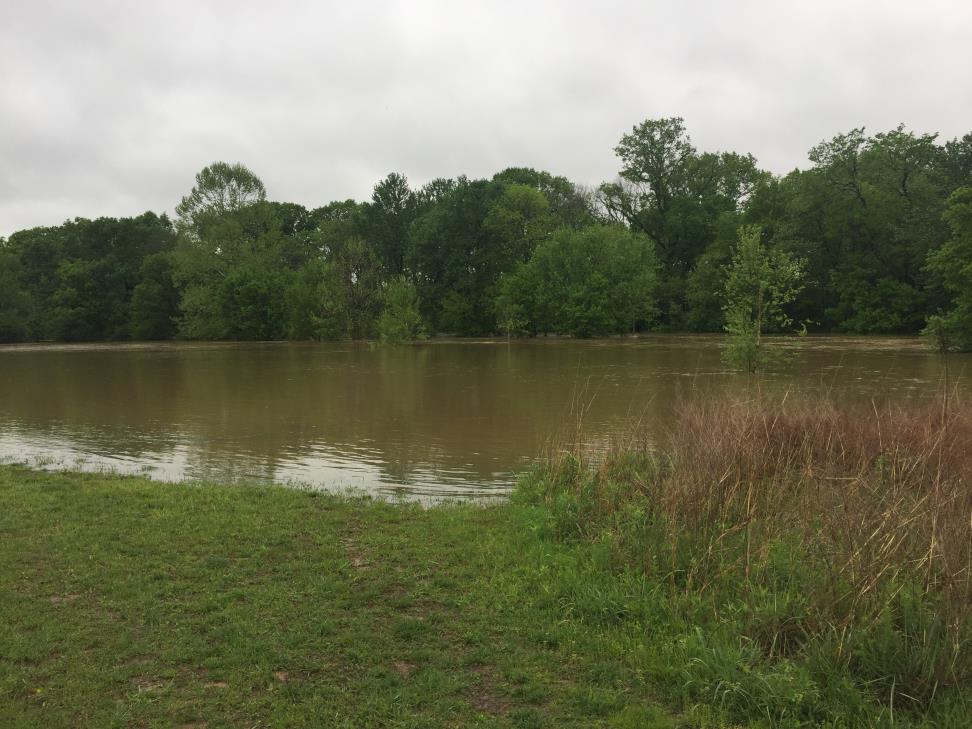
(400, 320)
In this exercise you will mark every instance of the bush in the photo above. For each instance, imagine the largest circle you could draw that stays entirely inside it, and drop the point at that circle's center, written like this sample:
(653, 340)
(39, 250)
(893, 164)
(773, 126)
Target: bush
(400, 320)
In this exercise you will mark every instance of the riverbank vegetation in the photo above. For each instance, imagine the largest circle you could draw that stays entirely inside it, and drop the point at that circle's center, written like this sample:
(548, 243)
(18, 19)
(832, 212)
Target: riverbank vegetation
(821, 557)
(765, 564)
(879, 221)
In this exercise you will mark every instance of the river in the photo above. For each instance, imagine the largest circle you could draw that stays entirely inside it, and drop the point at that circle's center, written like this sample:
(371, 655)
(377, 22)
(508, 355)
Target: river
(444, 418)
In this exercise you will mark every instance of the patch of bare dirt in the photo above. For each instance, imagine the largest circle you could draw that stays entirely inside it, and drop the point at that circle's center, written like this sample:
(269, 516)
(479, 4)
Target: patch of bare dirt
(355, 555)
(144, 684)
(484, 696)
(63, 599)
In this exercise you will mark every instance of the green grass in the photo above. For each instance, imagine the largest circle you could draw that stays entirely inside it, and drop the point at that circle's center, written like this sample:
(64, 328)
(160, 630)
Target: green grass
(126, 602)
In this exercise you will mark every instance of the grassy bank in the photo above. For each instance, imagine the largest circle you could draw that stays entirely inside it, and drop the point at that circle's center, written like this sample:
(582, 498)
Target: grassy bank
(768, 566)
(126, 602)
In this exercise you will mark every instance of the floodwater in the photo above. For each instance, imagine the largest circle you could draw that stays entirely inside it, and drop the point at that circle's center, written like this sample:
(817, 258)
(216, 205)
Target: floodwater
(444, 418)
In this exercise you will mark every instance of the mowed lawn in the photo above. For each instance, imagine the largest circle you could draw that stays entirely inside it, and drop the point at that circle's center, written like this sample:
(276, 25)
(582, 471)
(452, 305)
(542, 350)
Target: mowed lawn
(126, 602)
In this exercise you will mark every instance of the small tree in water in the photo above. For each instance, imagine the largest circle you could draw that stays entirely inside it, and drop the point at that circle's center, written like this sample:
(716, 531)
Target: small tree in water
(401, 320)
(509, 313)
(759, 283)
(951, 330)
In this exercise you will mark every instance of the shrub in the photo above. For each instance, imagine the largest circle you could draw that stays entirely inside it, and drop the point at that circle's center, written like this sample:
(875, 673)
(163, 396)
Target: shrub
(400, 320)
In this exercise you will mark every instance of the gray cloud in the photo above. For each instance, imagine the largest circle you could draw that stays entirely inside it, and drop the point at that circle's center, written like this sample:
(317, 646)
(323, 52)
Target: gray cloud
(110, 108)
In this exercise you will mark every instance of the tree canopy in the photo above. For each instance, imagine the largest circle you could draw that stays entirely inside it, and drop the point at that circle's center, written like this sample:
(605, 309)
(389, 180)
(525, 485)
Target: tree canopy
(879, 222)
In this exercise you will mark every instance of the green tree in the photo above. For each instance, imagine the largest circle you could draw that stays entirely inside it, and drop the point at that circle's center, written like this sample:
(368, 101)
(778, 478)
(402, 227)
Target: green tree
(220, 188)
(155, 300)
(335, 224)
(14, 299)
(305, 301)
(82, 274)
(385, 221)
(951, 329)
(955, 162)
(88, 303)
(597, 281)
(456, 261)
(759, 284)
(236, 256)
(343, 295)
(251, 301)
(569, 206)
(469, 235)
(40, 260)
(511, 317)
(249, 237)
(518, 220)
(864, 217)
(401, 320)
(676, 196)
(37, 252)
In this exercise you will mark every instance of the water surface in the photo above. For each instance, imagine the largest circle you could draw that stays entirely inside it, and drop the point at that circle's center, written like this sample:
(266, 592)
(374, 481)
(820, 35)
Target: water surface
(441, 418)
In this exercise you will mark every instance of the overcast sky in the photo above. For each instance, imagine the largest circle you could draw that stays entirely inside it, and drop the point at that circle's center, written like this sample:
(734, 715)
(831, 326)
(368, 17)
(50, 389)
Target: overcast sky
(110, 108)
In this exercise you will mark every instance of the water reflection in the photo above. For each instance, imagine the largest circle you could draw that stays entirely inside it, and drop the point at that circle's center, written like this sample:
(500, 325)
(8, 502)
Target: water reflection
(439, 418)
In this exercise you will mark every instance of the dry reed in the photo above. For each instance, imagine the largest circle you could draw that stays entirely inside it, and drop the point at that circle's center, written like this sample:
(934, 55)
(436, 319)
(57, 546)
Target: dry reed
(839, 512)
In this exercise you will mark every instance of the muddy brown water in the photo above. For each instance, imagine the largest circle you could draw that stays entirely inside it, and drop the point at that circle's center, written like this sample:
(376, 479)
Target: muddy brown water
(445, 418)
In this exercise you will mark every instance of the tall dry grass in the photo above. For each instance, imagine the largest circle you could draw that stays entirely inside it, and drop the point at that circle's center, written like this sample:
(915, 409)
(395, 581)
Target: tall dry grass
(842, 534)
(879, 494)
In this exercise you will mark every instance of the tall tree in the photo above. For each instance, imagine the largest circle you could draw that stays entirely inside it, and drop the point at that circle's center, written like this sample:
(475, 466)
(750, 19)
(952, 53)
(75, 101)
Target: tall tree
(246, 238)
(517, 221)
(386, 220)
(38, 253)
(656, 160)
(864, 217)
(220, 188)
(676, 195)
(456, 262)
(251, 302)
(955, 162)
(568, 205)
(236, 254)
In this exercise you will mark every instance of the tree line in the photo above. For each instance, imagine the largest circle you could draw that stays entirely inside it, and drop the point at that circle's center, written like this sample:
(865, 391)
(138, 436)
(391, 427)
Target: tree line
(881, 226)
